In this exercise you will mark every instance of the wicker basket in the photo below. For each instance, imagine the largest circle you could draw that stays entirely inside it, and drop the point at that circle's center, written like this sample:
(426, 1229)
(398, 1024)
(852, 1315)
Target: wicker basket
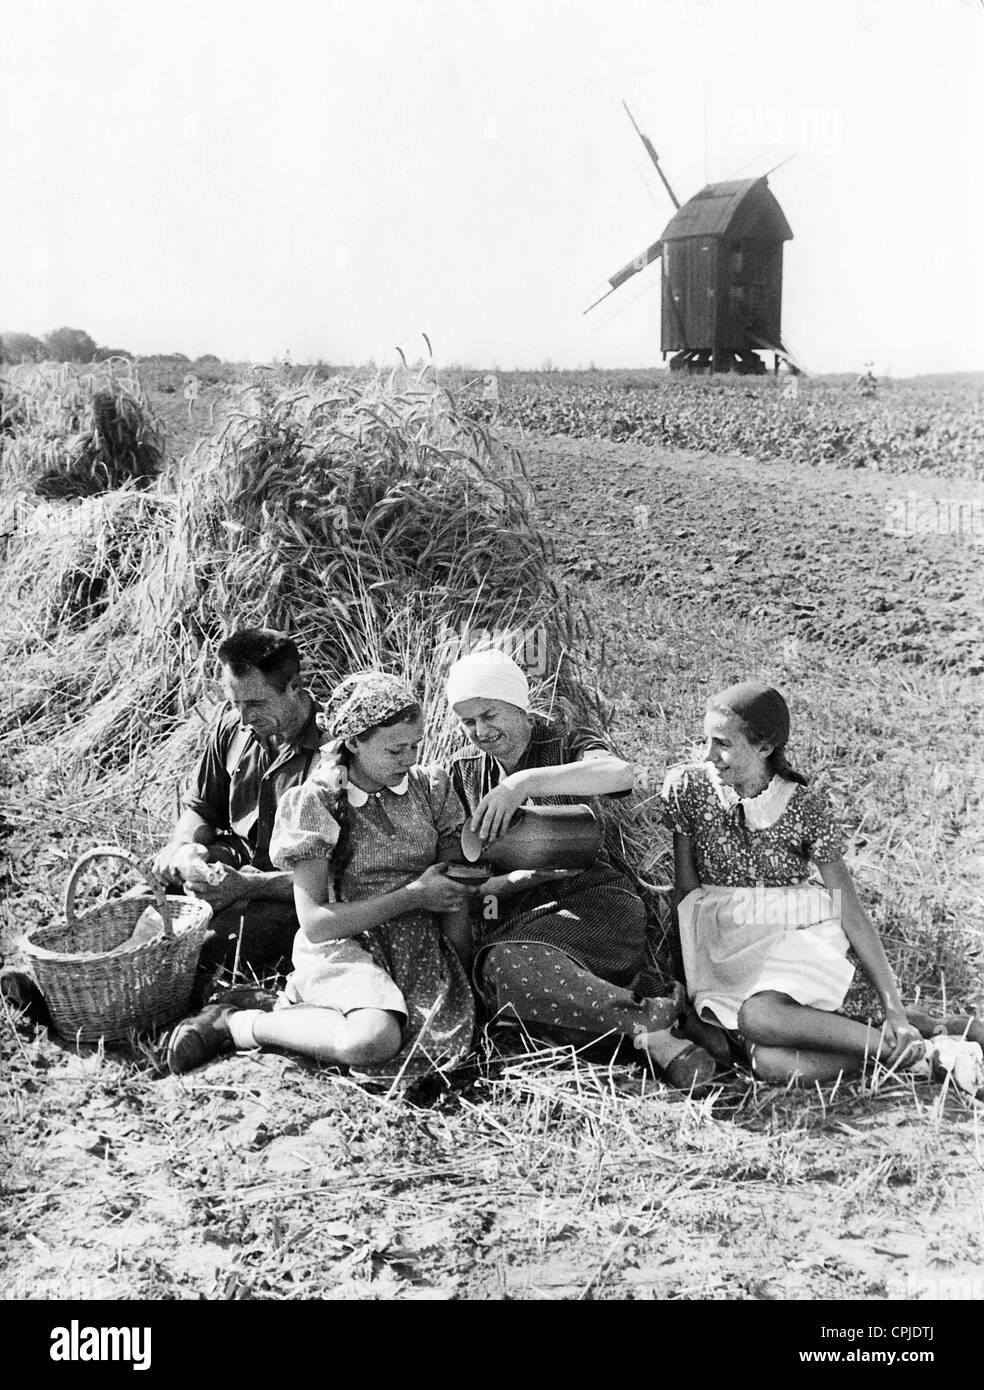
(93, 994)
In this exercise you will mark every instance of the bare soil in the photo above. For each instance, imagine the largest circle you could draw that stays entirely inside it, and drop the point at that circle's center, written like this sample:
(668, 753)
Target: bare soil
(805, 552)
(261, 1177)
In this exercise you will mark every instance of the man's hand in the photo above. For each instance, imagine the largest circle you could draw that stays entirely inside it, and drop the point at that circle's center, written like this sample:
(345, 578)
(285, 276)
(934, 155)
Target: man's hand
(496, 809)
(519, 880)
(163, 864)
(185, 861)
(435, 892)
(233, 886)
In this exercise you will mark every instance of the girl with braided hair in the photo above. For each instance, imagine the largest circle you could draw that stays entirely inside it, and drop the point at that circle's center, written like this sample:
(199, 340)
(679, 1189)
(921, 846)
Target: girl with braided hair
(764, 949)
(376, 984)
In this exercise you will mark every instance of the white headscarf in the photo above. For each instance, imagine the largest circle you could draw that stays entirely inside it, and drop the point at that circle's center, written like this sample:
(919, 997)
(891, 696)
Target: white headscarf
(488, 675)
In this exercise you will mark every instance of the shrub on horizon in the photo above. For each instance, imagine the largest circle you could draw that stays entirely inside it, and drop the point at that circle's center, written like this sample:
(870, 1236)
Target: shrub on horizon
(69, 345)
(20, 347)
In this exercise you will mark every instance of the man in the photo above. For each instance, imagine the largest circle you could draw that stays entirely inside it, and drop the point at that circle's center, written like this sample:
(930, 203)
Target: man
(564, 954)
(266, 742)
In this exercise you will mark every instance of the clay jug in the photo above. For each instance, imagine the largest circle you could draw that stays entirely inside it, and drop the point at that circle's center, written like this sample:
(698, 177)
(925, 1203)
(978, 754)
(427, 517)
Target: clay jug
(540, 837)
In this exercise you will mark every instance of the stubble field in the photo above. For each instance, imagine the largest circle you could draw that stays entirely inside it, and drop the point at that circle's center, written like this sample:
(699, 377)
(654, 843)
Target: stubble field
(542, 1175)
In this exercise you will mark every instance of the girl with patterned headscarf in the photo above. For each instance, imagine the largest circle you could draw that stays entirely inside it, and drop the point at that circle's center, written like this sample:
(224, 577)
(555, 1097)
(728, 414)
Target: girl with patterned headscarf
(376, 983)
(764, 947)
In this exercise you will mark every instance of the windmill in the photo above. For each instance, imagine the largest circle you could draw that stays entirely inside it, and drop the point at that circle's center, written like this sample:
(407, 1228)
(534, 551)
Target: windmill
(721, 275)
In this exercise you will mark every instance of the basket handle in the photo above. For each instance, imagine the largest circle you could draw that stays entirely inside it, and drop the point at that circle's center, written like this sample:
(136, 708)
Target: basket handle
(112, 852)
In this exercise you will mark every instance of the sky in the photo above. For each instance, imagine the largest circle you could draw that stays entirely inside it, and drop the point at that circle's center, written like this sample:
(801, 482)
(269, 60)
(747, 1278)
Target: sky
(331, 180)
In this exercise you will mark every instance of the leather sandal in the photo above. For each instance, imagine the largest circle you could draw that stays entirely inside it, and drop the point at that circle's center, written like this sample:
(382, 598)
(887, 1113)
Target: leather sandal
(197, 1040)
(24, 998)
(691, 1070)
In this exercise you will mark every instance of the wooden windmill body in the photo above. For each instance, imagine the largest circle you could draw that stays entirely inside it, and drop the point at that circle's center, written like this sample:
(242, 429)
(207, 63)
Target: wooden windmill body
(721, 258)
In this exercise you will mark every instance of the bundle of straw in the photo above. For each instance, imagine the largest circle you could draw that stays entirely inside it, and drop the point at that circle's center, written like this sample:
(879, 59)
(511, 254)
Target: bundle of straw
(68, 432)
(69, 561)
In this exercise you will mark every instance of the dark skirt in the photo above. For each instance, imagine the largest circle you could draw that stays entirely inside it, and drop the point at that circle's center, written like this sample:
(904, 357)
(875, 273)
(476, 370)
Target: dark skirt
(596, 918)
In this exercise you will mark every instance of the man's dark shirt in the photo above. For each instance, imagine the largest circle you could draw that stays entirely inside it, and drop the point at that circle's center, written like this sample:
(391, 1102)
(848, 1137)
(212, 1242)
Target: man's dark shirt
(239, 781)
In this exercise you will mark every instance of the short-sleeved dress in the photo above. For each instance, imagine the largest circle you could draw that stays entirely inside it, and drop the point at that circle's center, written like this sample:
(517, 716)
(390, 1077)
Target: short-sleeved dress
(406, 965)
(595, 917)
(756, 922)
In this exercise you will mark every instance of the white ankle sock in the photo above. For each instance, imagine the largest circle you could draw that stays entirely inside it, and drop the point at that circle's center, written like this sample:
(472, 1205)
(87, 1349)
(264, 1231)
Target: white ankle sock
(661, 1046)
(241, 1027)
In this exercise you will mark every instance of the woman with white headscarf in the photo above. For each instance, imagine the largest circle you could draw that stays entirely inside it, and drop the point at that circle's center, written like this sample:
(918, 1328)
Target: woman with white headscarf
(564, 953)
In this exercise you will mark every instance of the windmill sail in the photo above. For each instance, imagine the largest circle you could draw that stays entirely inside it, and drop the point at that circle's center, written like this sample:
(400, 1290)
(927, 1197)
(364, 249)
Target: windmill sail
(780, 349)
(651, 253)
(650, 150)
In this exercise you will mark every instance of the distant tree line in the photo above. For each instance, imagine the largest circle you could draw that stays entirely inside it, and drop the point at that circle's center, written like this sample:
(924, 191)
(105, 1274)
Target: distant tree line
(72, 345)
(60, 345)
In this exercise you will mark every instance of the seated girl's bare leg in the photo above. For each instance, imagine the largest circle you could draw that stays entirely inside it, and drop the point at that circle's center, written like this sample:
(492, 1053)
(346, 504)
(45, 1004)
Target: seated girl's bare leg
(780, 1065)
(353, 1039)
(774, 1020)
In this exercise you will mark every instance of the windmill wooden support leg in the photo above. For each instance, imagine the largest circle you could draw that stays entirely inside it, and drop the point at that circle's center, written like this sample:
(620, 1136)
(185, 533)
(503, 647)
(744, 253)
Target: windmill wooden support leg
(748, 363)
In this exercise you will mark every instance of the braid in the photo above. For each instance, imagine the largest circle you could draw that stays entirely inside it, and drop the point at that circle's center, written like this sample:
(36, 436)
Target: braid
(779, 767)
(332, 759)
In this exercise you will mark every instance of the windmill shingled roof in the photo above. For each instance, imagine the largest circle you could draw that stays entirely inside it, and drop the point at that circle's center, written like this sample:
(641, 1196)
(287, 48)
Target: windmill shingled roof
(742, 207)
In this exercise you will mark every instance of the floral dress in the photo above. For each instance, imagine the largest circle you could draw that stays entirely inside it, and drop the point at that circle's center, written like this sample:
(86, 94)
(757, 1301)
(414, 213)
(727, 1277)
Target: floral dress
(406, 965)
(756, 922)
